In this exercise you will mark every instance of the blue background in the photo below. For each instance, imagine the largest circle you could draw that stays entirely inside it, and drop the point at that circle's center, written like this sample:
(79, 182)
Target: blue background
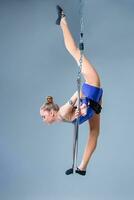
(33, 64)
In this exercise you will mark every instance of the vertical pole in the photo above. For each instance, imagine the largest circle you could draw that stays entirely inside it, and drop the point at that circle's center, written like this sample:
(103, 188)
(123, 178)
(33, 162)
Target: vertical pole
(76, 124)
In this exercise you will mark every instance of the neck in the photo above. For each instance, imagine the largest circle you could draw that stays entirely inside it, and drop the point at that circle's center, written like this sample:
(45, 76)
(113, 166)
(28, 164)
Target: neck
(58, 117)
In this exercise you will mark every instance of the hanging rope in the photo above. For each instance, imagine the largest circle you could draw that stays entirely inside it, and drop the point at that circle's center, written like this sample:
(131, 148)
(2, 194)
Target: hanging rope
(76, 124)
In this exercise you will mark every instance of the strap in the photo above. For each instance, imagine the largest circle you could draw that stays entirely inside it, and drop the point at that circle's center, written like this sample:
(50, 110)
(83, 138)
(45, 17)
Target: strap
(95, 106)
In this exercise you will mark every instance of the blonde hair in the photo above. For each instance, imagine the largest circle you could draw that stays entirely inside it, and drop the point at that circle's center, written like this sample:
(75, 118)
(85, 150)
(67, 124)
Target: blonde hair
(49, 104)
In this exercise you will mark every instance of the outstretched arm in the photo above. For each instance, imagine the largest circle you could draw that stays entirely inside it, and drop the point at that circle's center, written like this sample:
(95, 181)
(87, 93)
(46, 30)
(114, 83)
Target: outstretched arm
(69, 111)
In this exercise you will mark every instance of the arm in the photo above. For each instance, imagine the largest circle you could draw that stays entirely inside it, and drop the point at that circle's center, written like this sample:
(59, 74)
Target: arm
(67, 110)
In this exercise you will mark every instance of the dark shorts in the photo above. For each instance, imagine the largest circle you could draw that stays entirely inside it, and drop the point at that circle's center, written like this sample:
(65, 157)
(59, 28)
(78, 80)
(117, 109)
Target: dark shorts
(93, 93)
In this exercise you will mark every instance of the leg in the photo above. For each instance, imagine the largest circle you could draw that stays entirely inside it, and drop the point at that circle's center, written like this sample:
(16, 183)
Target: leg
(94, 124)
(68, 38)
(88, 71)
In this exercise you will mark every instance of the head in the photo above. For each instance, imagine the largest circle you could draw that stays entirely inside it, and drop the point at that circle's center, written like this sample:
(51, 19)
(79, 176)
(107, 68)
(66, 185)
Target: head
(48, 110)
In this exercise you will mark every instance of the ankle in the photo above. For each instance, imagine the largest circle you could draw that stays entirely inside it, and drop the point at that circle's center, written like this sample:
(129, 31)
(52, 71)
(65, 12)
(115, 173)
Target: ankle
(63, 21)
(82, 167)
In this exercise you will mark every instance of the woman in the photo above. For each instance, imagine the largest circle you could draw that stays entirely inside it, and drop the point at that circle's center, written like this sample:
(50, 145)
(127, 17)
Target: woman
(91, 93)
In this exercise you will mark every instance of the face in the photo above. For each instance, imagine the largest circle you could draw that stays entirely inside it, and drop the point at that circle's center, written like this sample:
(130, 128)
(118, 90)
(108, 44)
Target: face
(47, 116)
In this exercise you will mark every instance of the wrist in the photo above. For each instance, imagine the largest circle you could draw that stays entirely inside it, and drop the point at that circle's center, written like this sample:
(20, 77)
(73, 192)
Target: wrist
(71, 103)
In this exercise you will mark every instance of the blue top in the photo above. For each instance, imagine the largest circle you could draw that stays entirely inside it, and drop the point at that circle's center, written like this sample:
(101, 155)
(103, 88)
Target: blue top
(91, 92)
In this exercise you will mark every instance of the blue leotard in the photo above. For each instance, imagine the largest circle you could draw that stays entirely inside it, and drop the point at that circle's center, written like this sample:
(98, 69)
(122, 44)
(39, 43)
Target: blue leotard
(93, 93)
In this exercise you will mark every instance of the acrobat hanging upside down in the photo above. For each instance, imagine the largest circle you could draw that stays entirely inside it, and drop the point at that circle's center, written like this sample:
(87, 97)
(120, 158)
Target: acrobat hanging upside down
(91, 99)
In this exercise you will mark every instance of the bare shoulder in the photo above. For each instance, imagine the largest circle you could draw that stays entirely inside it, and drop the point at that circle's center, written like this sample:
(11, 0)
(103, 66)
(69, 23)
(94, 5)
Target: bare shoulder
(66, 111)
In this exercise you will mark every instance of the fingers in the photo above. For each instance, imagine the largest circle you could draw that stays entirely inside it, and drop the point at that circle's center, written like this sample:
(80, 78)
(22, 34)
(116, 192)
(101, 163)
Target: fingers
(83, 109)
(77, 113)
(83, 106)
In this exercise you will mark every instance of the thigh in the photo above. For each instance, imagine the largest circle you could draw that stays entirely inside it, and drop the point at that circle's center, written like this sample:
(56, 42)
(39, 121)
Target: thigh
(94, 122)
(89, 72)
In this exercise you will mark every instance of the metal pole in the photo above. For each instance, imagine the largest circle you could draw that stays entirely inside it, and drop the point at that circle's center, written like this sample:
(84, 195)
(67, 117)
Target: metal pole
(76, 125)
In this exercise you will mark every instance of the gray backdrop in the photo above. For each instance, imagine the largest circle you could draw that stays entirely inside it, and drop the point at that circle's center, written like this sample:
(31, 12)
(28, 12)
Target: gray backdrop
(34, 64)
